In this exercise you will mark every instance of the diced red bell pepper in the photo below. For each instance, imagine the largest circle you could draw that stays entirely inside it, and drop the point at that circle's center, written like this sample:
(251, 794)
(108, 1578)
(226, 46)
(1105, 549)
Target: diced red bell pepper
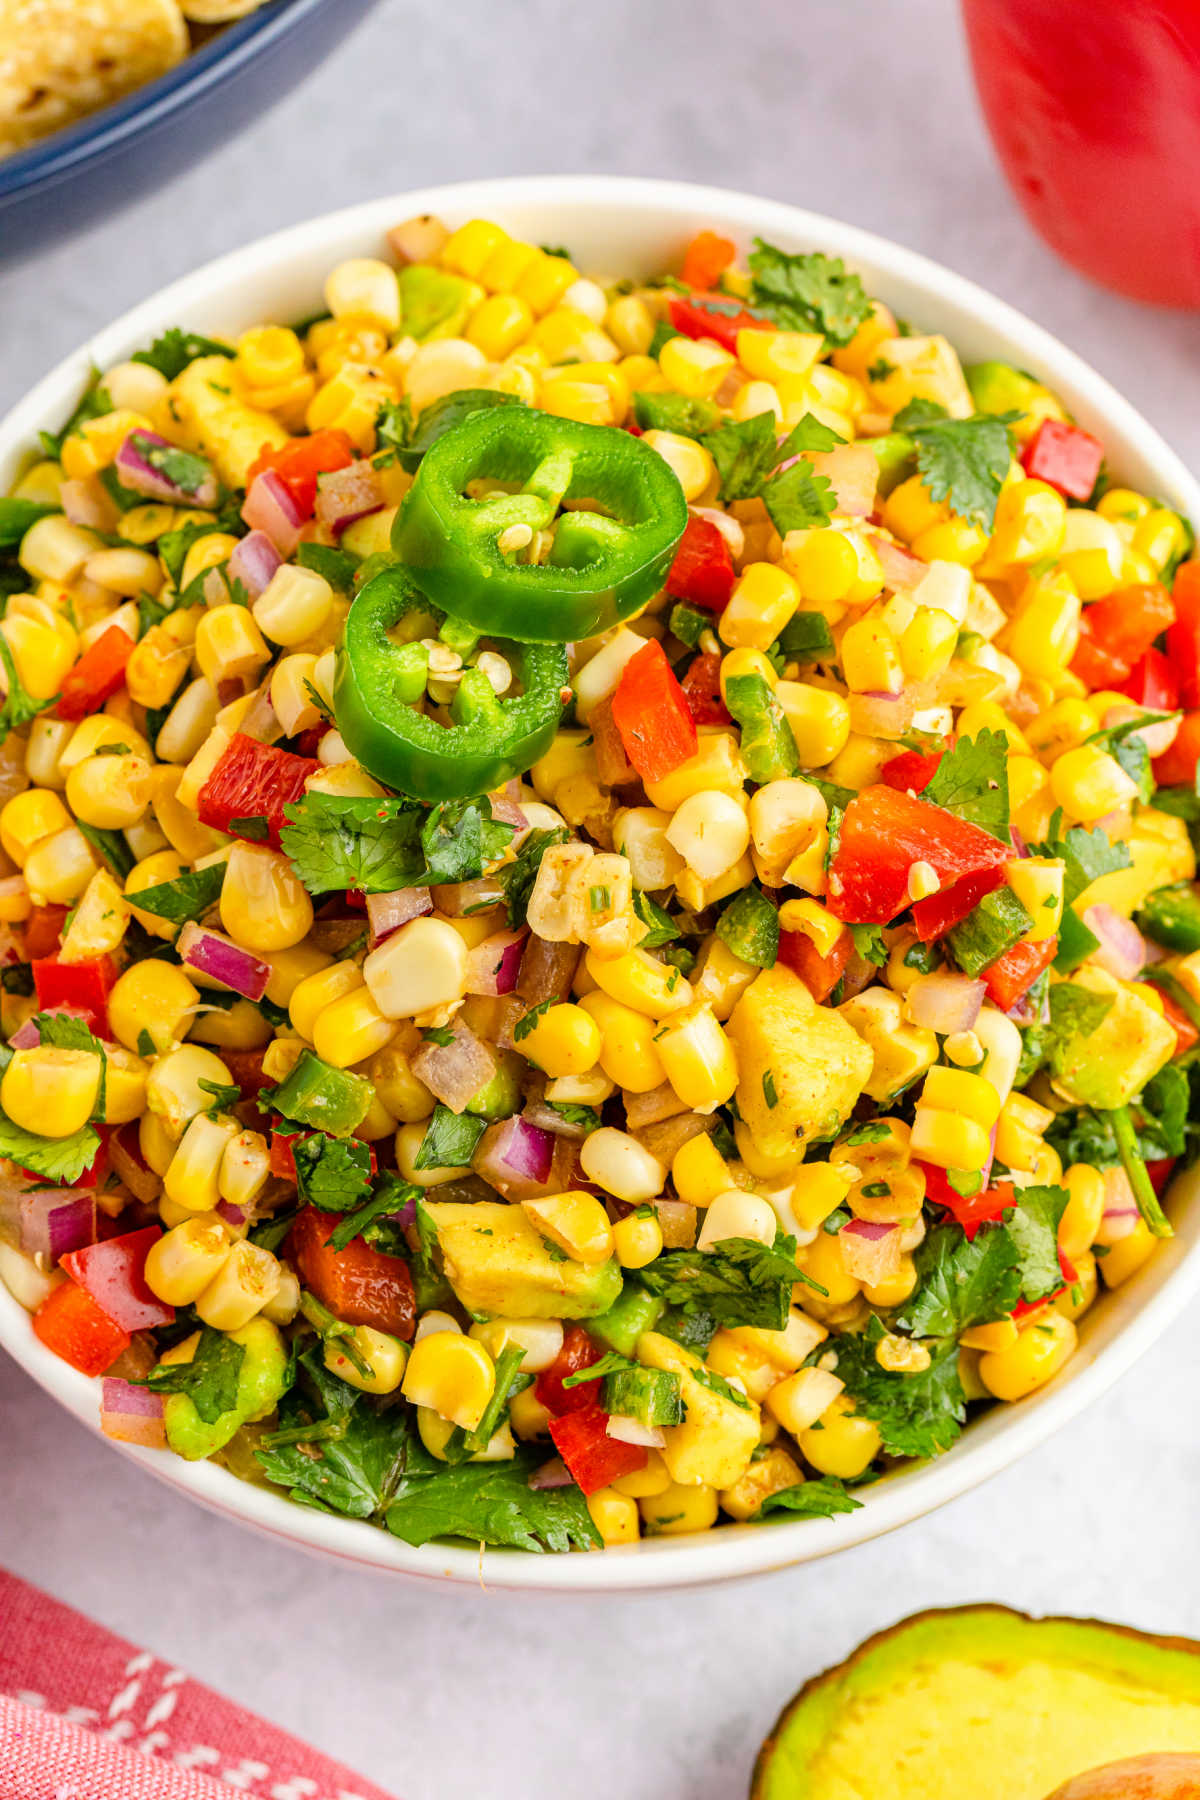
(1186, 1034)
(97, 675)
(246, 1069)
(83, 986)
(912, 771)
(42, 931)
(1095, 666)
(706, 259)
(1176, 767)
(651, 713)
(1070, 1275)
(1183, 650)
(307, 740)
(114, 1274)
(283, 1163)
(883, 833)
(593, 1458)
(300, 462)
(1185, 590)
(359, 1285)
(1160, 1171)
(702, 690)
(612, 765)
(713, 316)
(1114, 633)
(969, 1210)
(1151, 683)
(1014, 973)
(702, 572)
(254, 781)
(940, 913)
(1064, 456)
(577, 1352)
(70, 1323)
(820, 974)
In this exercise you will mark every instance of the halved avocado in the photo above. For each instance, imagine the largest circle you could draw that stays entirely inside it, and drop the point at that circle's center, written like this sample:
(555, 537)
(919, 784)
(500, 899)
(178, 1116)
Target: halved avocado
(985, 1702)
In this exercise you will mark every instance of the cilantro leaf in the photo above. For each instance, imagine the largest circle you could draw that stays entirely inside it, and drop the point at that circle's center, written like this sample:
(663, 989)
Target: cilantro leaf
(660, 926)
(919, 1414)
(110, 846)
(798, 499)
(972, 783)
(450, 1140)
(380, 845)
(748, 458)
(372, 1220)
(964, 462)
(337, 566)
(809, 292)
(961, 1281)
(868, 942)
(742, 1282)
(817, 1499)
(16, 516)
(171, 353)
(187, 897)
(488, 1503)
(745, 452)
(1032, 1225)
(517, 878)
(335, 1448)
(332, 1173)
(94, 403)
(210, 1379)
(61, 1160)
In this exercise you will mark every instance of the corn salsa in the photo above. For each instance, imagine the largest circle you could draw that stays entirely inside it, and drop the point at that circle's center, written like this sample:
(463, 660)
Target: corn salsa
(598, 927)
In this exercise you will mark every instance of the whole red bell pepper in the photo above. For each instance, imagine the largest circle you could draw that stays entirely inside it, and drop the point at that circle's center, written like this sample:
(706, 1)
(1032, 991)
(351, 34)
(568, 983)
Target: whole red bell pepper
(713, 316)
(299, 463)
(70, 1323)
(82, 986)
(702, 572)
(1014, 973)
(912, 771)
(820, 974)
(706, 259)
(883, 833)
(577, 1352)
(250, 782)
(651, 713)
(701, 686)
(593, 1459)
(361, 1285)
(1064, 457)
(97, 675)
(114, 1274)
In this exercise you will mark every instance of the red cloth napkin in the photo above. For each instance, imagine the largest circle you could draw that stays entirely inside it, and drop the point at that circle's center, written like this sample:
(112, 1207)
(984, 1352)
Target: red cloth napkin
(86, 1716)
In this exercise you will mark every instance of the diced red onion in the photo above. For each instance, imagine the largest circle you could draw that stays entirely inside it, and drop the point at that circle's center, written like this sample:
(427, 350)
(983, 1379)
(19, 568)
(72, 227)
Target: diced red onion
(853, 473)
(86, 503)
(552, 1474)
(132, 1414)
(344, 495)
(1018, 842)
(628, 1430)
(53, 1221)
(547, 970)
(944, 1002)
(515, 1157)
(677, 1222)
(223, 960)
(28, 1036)
(1157, 737)
(882, 715)
(901, 569)
(136, 472)
(234, 1216)
(870, 1251)
(493, 965)
(544, 1116)
(1122, 949)
(127, 1397)
(270, 506)
(388, 912)
(509, 813)
(455, 1072)
(253, 562)
(130, 1167)
(1120, 1215)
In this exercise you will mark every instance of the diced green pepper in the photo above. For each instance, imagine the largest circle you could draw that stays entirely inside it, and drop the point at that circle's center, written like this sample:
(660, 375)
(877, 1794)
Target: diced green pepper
(1171, 916)
(315, 1093)
(633, 1312)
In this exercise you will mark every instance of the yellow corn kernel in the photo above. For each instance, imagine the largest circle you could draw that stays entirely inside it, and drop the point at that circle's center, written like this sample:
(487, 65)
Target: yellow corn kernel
(1080, 1223)
(1037, 882)
(747, 662)
(1064, 725)
(264, 907)
(566, 335)
(191, 1179)
(927, 643)
(1161, 537)
(698, 1058)
(173, 1090)
(799, 1400)
(98, 923)
(42, 653)
(315, 992)
(350, 402)
(1042, 1347)
(627, 1051)
(1092, 554)
(247, 1280)
(772, 355)
(544, 281)
(153, 871)
(55, 550)
(753, 398)
(451, 1374)
(639, 981)
(695, 367)
(720, 977)
(1127, 1255)
(351, 1029)
(181, 1263)
(840, 1443)
(910, 510)
(870, 657)
(700, 1172)
(384, 1356)
(499, 325)
(630, 324)
(95, 444)
(268, 355)
(110, 792)
(693, 466)
(958, 1091)
(956, 541)
(637, 1240)
(822, 1259)
(51, 1091)
(468, 249)
(155, 998)
(677, 1511)
(28, 819)
(763, 600)
(294, 605)
(363, 287)
(1087, 783)
(58, 869)
(893, 1290)
(614, 1515)
(595, 393)
(948, 1141)
(819, 719)
(229, 644)
(717, 763)
(1030, 524)
(576, 1222)
(565, 1040)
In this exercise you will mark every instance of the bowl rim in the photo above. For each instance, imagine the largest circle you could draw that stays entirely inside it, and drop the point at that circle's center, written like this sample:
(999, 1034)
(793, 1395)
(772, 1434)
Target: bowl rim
(1133, 1316)
(65, 152)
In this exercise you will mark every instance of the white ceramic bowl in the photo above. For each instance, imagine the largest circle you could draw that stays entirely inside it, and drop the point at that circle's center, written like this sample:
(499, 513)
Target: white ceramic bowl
(618, 227)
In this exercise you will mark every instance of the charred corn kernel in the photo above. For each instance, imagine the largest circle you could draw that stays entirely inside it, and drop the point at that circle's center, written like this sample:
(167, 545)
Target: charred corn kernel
(576, 1222)
(622, 1166)
(155, 998)
(628, 1054)
(614, 1515)
(1126, 1256)
(173, 1089)
(351, 1029)
(690, 461)
(711, 832)
(247, 1280)
(419, 967)
(774, 354)
(956, 1091)
(565, 1040)
(1041, 1349)
(366, 288)
(870, 657)
(717, 763)
(763, 600)
(699, 1171)
(1030, 524)
(1087, 783)
(98, 923)
(799, 1400)
(264, 907)
(28, 819)
(312, 995)
(245, 1168)
(698, 1058)
(1080, 1223)
(384, 1358)
(51, 1091)
(1092, 553)
(948, 1141)
(1037, 882)
(695, 367)
(819, 720)
(294, 604)
(109, 792)
(677, 1511)
(630, 324)
(840, 1443)
(191, 1179)
(451, 1374)
(737, 1214)
(58, 869)
(639, 981)
(181, 1263)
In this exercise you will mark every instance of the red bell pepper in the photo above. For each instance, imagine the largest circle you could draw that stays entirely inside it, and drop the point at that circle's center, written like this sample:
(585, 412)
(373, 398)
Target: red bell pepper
(702, 572)
(706, 259)
(969, 1210)
(1176, 767)
(1185, 589)
(246, 1069)
(651, 713)
(612, 765)
(114, 1274)
(577, 1352)
(70, 1323)
(1064, 456)
(1014, 973)
(42, 931)
(940, 913)
(300, 462)
(1160, 1170)
(1186, 1034)
(1183, 650)
(883, 833)
(97, 675)
(82, 986)
(1151, 683)
(254, 781)
(912, 771)
(713, 316)
(360, 1285)
(593, 1458)
(1114, 633)
(702, 690)
(820, 974)
(1070, 1275)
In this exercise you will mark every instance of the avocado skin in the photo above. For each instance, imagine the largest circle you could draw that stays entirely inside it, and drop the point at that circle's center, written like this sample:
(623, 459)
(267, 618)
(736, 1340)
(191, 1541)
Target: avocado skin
(976, 1633)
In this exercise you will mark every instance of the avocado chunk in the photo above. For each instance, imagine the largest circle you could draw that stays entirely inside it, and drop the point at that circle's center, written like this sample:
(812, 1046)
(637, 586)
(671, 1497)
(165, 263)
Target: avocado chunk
(894, 453)
(801, 1066)
(1106, 1060)
(996, 387)
(720, 1427)
(434, 303)
(634, 1311)
(497, 1263)
(981, 1701)
(261, 1384)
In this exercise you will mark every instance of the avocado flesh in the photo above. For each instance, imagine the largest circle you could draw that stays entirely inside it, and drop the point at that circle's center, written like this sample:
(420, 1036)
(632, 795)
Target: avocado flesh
(985, 1702)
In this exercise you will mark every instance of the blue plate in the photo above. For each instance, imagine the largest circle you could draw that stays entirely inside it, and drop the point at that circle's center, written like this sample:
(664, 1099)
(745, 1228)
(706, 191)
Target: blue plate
(99, 165)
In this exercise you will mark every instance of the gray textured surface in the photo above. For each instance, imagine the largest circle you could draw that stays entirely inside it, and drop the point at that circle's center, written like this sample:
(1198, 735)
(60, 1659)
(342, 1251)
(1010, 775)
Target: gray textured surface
(860, 110)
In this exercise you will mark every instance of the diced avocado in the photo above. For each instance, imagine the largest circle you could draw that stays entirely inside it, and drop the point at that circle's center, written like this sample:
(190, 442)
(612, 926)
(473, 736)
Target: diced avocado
(997, 387)
(261, 1385)
(651, 1396)
(1160, 852)
(500, 1096)
(211, 417)
(1111, 1060)
(801, 1067)
(497, 1263)
(720, 1431)
(984, 1702)
(894, 453)
(634, 1311)
(434, 303)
